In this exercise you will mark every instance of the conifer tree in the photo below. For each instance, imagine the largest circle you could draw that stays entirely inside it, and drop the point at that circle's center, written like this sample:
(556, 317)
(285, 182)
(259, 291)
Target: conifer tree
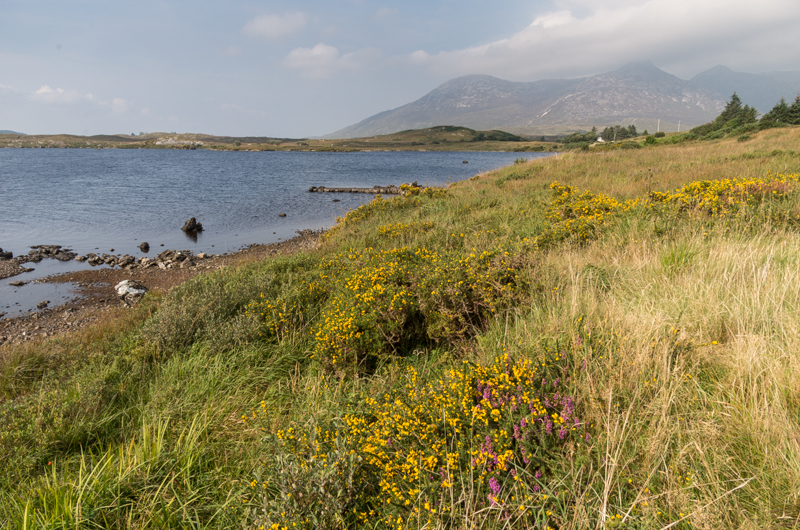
(732, 109)
(793, 114)
(778, 114)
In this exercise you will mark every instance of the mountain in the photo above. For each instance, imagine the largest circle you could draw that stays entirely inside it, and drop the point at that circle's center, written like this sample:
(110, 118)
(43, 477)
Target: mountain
(638, 93)
(12, 132)
(761, 91)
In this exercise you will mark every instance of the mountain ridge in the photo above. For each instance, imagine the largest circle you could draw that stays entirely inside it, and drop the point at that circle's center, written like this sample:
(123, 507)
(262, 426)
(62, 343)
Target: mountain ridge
(638, 93)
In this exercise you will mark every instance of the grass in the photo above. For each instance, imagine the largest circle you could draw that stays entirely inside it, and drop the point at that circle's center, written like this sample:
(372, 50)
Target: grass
(624, 343)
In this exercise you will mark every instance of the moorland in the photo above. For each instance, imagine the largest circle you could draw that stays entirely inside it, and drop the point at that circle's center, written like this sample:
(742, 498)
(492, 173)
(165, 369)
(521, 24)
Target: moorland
(607, 338)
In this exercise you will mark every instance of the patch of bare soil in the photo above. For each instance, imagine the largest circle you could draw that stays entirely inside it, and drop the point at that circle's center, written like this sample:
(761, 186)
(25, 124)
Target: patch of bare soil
(96, 293)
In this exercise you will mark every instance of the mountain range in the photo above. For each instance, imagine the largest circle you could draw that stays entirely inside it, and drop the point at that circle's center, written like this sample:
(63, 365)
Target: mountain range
(638, 93)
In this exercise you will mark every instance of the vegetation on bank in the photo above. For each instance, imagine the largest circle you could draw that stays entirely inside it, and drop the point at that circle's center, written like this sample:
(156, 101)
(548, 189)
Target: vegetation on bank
(442, 138)
(737, 120)
(602, 339)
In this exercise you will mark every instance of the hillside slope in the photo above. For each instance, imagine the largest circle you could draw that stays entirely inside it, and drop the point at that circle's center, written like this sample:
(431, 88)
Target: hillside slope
(637, 93)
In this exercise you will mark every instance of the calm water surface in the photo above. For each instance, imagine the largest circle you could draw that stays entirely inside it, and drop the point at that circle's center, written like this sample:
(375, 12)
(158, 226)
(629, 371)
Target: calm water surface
(96, 200)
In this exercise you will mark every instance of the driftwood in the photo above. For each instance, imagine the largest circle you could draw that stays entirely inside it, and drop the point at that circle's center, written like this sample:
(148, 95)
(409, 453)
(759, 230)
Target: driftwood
(384, 190)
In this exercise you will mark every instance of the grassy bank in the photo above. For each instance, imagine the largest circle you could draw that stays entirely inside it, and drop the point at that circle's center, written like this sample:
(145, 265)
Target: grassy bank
(615, 350)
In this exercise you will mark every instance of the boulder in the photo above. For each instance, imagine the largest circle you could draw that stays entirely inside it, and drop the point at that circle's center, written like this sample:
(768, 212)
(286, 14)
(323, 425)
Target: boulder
(130, 292)
(42, 305)
(18, 283)
(281, 215)
(5, 255)
(80, 258)
(144, 246)
(192, 226)
(125, 260)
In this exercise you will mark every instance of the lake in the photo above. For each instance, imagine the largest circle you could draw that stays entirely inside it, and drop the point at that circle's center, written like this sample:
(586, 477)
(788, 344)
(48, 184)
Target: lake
(95, 200)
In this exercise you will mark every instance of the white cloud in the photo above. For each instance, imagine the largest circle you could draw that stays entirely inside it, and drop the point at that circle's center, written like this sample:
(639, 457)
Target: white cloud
(56, 95)
(275, 27)
(551, 20)
(324, 61)
(669, 32)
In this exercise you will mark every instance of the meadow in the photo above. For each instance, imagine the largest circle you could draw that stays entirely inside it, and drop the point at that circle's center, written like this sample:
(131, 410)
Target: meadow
(607, 338)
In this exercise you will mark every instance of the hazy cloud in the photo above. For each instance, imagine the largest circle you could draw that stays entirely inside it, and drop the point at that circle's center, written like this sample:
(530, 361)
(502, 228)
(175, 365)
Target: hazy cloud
(275, 27)
(231, 51)
(58, 95)
(385, 12)
(324, 61)
(665, 31)
(118, 106)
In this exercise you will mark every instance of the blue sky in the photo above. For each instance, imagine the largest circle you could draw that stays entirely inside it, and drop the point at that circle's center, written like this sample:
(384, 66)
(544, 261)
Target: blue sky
(307, 68)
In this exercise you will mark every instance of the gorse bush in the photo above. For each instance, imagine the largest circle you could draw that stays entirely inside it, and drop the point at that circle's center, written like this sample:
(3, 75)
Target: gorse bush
(371, 303)
(715, 197)
(480, 443)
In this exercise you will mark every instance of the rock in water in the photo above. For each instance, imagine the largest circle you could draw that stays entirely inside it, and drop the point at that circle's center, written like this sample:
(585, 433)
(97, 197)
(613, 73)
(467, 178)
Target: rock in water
(5, 255)
(144, 246)
(130, 292)
(192, 226)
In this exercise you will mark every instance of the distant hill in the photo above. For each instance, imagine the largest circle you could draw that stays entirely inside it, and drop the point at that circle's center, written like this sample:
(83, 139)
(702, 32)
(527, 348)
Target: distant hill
(638, 93)
(761, 91)
(12, 132)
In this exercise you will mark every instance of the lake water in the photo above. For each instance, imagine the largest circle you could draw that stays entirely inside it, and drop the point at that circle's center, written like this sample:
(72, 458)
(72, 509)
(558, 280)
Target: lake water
(95, 200)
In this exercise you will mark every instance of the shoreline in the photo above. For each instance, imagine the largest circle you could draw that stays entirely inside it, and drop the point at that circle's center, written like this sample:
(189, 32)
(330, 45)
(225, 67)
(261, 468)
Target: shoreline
(96, 293)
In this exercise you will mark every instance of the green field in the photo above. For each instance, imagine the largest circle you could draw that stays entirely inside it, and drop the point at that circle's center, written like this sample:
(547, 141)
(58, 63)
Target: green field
(606, 338)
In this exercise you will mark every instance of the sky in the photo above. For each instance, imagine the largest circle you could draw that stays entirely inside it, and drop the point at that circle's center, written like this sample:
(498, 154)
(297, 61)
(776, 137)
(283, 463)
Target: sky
(305, 68)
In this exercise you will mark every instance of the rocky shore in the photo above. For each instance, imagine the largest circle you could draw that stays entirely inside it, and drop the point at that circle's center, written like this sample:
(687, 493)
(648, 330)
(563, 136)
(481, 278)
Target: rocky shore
(96, 293)
(167, 259)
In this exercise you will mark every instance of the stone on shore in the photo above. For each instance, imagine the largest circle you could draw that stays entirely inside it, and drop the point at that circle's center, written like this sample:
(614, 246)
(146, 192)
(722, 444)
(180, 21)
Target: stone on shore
(144, 246)
(130, 292)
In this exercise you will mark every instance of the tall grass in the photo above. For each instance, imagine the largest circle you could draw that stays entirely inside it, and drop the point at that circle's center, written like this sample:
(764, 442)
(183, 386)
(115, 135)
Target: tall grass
(678, 328)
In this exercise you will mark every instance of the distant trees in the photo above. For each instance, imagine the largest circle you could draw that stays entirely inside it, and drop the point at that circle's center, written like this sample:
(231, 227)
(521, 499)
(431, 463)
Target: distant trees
(733, 117)
(619, 132)
(783, 114)
(578, 137)
(741, 120)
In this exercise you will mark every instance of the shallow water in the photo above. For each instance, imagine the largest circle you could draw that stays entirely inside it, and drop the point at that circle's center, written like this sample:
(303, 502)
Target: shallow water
(97, 200)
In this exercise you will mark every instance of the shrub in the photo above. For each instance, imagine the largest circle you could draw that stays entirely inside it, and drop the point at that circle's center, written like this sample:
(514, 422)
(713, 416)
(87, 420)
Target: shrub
(481, 442)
